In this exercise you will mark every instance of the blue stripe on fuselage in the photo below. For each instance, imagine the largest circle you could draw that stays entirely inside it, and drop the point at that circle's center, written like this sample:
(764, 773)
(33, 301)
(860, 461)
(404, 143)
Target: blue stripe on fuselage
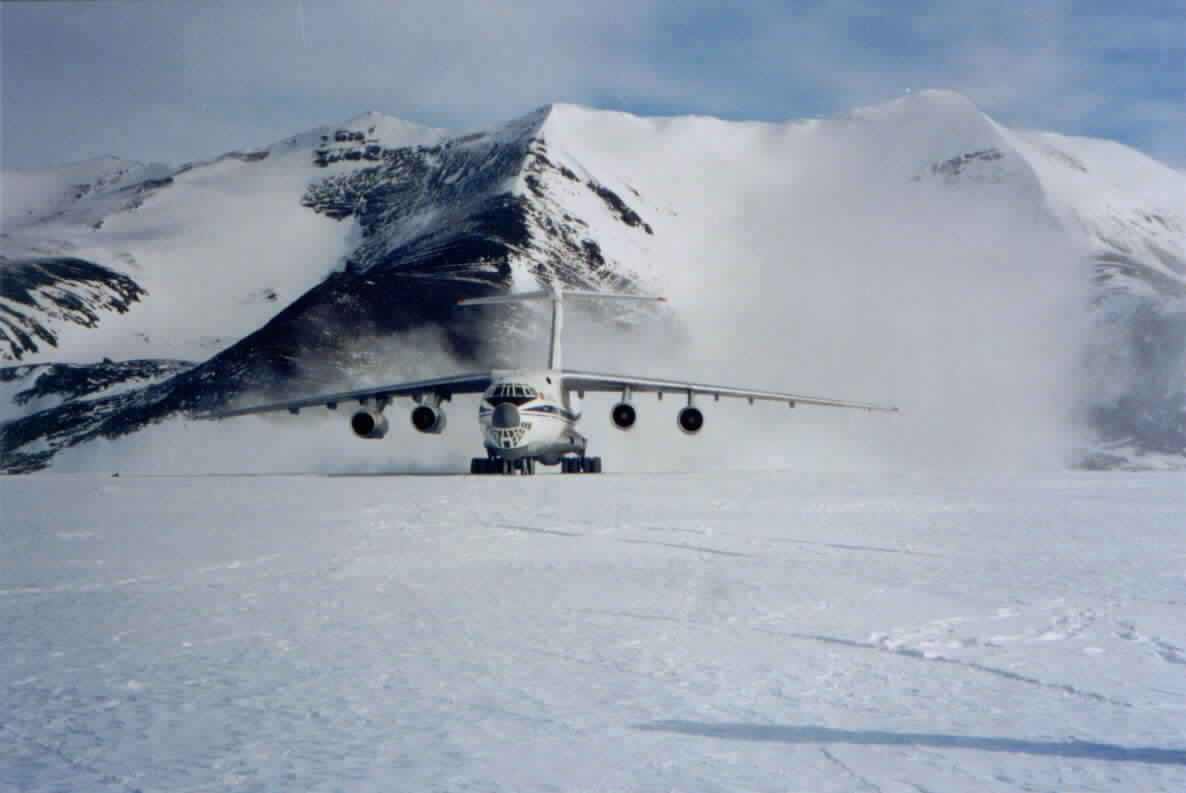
(555, 410)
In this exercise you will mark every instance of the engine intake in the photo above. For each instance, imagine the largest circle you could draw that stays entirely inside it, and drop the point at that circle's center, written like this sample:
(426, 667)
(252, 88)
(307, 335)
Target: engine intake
(428, 419)
(369, 424)
(691, 420)
(624, 415)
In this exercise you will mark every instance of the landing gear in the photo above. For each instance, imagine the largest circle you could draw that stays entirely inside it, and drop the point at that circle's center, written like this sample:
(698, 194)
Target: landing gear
(497, 465)
(580, 465)
(487, 465)
(526, 465)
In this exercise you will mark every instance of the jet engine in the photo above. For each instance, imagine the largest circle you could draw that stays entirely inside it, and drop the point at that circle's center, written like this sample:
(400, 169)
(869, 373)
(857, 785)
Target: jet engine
(624, 415)
(426, 418)
(691, 420)
(369, 424)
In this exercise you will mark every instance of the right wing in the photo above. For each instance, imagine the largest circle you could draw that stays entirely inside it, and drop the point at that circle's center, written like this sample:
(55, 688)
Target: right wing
(593, 381)
(442, 386)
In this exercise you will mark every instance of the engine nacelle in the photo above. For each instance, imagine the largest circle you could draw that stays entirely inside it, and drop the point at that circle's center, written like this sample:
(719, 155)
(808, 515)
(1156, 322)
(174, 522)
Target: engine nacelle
(369, 424)
(623, 415)
(426, 418)
(691, 420)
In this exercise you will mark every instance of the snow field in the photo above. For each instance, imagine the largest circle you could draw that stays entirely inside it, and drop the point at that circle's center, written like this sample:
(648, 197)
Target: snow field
(762, 632)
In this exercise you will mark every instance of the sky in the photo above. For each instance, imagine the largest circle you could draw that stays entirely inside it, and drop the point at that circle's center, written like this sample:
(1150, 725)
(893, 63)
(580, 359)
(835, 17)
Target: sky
(157, 80)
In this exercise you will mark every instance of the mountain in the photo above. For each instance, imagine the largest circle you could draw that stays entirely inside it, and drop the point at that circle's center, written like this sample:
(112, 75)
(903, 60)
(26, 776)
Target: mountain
(204, 253)
(1017, 291)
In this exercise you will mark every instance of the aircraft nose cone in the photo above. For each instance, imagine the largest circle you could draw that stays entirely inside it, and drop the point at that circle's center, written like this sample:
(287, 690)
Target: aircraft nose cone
(506, 416)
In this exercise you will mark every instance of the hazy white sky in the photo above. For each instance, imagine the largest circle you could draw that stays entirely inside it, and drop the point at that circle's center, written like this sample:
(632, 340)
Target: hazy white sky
(172, 81)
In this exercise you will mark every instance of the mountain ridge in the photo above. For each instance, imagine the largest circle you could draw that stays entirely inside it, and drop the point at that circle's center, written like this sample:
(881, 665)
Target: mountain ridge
(606, 200)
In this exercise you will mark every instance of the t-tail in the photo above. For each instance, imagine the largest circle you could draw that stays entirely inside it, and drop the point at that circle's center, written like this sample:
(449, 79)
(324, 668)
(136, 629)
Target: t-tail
(556, 296)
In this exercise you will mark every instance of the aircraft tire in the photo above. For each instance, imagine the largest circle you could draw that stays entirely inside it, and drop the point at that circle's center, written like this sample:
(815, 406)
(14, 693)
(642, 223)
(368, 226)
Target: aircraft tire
(593, 465)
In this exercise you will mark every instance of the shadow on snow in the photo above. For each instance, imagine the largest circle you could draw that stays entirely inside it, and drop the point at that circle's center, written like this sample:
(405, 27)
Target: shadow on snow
(1086, 750)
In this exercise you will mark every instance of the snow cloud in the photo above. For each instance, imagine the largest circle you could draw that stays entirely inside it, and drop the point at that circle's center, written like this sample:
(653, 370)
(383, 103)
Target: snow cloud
(177, 81)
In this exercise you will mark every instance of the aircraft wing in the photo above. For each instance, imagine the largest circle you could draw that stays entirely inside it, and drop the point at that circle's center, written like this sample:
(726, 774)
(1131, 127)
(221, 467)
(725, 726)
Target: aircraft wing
(592, 381)
(441, 386)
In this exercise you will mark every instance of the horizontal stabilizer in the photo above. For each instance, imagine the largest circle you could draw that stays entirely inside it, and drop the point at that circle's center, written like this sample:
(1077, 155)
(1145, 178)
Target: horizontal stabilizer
(538, 294)
(555, 294)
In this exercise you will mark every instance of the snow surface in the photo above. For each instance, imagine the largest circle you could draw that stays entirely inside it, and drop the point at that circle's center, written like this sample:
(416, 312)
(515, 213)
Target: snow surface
(32, 196)
(762, 632)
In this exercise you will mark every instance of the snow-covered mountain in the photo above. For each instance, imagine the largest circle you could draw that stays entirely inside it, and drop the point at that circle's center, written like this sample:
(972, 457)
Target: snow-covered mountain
(212, 249)
(915, 250)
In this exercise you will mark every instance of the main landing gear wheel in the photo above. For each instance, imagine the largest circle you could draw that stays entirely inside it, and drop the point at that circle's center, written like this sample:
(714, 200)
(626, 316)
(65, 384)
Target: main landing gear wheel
(497, 465)
(580, 465)
(485, 465)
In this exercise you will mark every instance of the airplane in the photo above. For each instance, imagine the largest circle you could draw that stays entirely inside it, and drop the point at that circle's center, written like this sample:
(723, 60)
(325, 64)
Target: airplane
(529, 416)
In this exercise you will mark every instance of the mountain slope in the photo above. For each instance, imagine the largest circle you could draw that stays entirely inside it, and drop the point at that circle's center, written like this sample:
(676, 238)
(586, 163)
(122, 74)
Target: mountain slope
(214, 249)
(436, 223)
(1001, 284)
(1129, 214)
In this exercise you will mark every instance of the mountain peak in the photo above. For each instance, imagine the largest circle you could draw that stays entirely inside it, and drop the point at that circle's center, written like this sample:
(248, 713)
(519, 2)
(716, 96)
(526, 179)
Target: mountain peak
(926, 104)
(375, 117)
(945, 96)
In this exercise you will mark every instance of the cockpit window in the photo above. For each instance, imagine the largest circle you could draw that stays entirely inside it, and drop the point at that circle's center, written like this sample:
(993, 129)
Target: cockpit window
(514, 393)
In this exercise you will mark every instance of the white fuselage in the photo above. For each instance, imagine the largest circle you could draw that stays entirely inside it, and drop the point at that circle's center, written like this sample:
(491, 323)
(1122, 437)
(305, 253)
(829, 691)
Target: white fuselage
(527, 413)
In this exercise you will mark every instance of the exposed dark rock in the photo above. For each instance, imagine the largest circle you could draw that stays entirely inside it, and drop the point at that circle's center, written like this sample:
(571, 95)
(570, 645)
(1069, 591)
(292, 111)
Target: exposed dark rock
(957, 165)
(619, 207)
(1151, 415)
(534, 185)
(593, 253)
(74, 381)
(148, 185)
(65, 288)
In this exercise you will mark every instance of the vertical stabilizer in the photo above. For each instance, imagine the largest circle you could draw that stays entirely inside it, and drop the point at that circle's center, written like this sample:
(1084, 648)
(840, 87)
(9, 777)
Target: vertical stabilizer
(557, 327)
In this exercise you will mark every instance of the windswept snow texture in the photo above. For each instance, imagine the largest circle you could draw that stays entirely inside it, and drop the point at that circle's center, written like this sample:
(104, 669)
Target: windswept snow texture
(770, 632)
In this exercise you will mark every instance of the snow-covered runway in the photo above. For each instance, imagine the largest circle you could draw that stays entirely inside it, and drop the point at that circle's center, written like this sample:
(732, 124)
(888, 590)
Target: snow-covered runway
(756, 632)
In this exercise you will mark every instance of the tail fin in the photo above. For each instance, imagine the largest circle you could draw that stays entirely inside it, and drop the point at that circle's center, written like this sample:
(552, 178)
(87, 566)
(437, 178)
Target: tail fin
(556, 296)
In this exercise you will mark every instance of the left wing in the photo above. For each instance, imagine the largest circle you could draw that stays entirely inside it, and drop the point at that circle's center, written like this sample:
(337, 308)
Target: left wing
(441, 386)
(592, 381)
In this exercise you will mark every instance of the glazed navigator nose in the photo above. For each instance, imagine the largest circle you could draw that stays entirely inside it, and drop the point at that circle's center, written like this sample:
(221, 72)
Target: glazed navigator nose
(506, 416)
